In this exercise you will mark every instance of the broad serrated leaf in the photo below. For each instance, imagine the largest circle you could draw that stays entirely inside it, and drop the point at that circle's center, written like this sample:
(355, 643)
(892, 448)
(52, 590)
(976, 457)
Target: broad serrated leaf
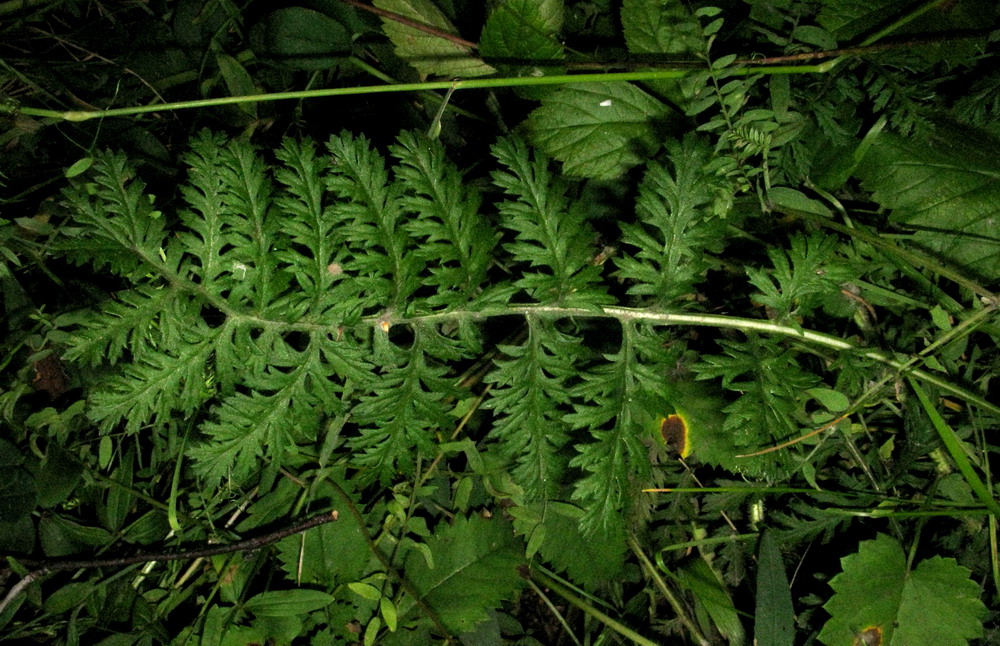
(303, 39)
(660, 27)
(589, 560)
(847, 19)
(599, 130)
(944, 183)
(667, 27)
(428, 53)
(934, 603)
(331, 554)
(851, 20)
(475, 568)
(523, 32)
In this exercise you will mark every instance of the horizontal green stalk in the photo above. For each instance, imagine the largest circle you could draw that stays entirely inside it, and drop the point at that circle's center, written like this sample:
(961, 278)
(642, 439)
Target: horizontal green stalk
(467, 84)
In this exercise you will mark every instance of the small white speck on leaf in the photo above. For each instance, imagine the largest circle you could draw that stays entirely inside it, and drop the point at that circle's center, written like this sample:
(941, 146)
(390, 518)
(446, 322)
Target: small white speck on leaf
(606, 103)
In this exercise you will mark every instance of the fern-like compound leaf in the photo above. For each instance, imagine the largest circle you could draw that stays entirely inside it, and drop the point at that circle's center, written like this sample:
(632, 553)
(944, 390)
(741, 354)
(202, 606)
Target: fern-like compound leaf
(316, 254)
(552, 238)
(156, 384)
(676, 231)
(121, 229)
(381, 263)
(398, 419)
(768, 409)
(530, 397)
(617, 398)
(454, 238)
(807, 274)
(125, 324)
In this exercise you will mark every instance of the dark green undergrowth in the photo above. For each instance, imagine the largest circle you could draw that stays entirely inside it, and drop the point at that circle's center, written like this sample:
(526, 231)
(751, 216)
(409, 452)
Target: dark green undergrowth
(652, 322)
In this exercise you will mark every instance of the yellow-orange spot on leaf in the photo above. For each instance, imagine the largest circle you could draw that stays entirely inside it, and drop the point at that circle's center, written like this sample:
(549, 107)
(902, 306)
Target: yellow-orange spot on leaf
(384, 326)
(870, 636)
(675, 433)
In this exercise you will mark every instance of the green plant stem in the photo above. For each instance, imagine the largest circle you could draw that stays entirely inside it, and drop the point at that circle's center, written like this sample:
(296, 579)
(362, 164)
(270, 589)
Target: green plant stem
(468, 84)
(590, 610)
(555, 611)
(667, 593)
(901, 22)
(378, 554)
(912, 257)
(626, 314)
(955, 449)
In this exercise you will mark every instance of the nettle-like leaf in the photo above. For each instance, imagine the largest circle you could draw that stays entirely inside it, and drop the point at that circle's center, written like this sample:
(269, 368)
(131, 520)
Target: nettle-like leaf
(943, 183)
(553, 528)
(333, 553)
(877, 594)
(676, 231)
(475, 567)
(599, 130)
(427, 53)
(524, 31)
(668, 28)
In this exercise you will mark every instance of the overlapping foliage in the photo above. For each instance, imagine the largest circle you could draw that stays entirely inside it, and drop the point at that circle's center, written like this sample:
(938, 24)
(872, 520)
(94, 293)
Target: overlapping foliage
(482, 368)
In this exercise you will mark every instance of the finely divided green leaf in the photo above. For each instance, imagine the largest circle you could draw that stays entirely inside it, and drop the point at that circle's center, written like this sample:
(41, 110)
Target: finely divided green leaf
(453, 237)
(615, 405)
(552, 236)
(676, 231)
(399, 418)
(529, 397)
